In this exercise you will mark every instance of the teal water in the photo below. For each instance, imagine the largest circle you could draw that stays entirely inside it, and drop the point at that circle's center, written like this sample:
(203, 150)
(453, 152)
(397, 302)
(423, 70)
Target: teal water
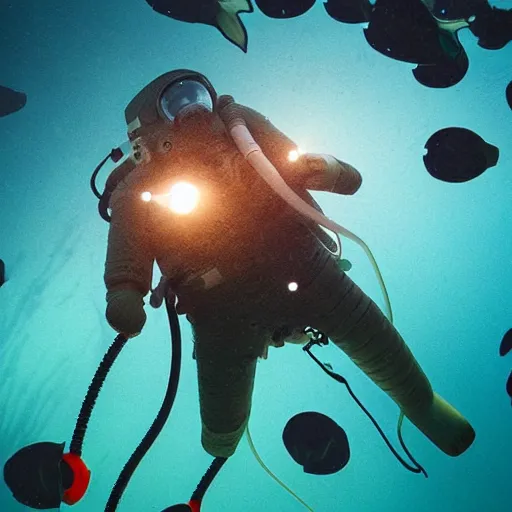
(445, 251)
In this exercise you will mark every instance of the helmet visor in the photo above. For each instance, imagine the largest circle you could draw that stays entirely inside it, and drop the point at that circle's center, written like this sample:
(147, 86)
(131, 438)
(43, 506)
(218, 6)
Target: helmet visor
(182, 94)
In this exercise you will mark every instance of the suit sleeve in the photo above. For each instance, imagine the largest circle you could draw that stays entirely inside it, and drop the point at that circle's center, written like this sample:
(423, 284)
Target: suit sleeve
(129, 261)
(311, 171)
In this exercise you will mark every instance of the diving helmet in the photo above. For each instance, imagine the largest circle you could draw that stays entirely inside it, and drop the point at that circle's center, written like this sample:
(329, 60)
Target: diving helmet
(162, 106)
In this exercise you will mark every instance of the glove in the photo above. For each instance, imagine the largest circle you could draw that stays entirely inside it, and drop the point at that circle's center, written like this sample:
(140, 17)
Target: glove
(329, 174)
(125, 312)
(325, 170)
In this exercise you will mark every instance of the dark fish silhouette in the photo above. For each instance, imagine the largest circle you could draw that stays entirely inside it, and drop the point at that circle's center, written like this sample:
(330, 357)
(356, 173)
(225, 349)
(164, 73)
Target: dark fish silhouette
(2, 273)
(505, 348)
(284, 8)
(448, 72)
(492, 26)
(221, 14)
(25, 472)
(509, 95)
(317, 443)
(456, 155)
(506, 343)
(404, 30)
(452, 64)
(11, 101)
(349, 11)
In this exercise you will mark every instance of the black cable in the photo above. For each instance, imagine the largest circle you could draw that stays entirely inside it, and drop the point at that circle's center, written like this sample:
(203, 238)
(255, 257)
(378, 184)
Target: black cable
(163, 413)
(342, 380)
(207, 479)
(92, 394)
(400, 438)
(103, 207)
(95, 191)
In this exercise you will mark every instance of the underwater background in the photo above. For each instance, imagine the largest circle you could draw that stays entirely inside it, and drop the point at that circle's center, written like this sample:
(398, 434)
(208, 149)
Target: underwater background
(445, 251)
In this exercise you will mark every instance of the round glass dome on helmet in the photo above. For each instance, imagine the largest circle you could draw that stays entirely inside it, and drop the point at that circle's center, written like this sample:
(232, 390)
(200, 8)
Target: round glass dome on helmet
(183, 94)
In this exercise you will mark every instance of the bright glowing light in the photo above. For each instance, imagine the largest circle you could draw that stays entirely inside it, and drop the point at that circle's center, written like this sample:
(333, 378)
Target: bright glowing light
(293, 287)
(146, 197)
(294, 154)
(183, 198)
